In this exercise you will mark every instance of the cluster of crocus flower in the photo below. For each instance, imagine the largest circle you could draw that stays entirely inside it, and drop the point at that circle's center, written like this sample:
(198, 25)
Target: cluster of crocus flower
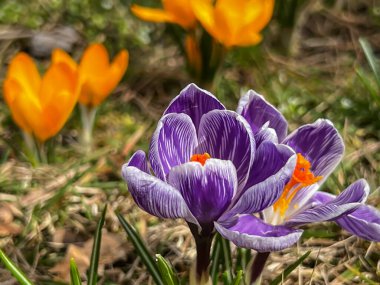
(228, 23)
(41, 106)
(240, 174)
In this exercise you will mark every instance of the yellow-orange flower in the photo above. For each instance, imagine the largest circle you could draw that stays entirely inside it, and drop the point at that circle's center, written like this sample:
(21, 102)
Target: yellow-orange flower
(234, 22)
(40, 106)
(97, 76)
(174, 11)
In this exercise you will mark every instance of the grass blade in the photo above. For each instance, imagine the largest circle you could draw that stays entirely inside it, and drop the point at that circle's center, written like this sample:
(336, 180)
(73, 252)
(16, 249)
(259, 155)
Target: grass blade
(238, 278)
(367, 83)
(242, 259)
(370, 58)
(361, 275)
(141, 250)
(215, 259)
(289, 269)
(166, 271)
(74, 273)
(94, 262)
(16, 272)
(227, 259)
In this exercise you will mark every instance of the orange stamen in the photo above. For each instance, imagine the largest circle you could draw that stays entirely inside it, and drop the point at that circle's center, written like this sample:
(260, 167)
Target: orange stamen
(201, 158)
(302, 177)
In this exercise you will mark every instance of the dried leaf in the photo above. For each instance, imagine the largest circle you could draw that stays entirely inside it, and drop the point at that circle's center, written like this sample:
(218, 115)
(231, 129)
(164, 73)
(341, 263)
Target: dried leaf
(112, 249)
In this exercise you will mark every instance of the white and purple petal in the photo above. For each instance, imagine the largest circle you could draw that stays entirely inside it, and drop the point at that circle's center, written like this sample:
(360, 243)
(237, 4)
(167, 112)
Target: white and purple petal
(266, 134)
(138, 160)
(195, 102)
(320, 198)
(273, 167)
(345, 202)
(363, 222)
(172, 144)
(321, 144)
(258, 112)
(155, 196)
(208, 189)
(248, 231)
(226, 135)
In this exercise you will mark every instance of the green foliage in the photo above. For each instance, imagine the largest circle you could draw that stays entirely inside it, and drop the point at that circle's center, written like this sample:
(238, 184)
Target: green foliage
(239, 278)
(372, 61)
(373, 88)
(224, 266)
(166, 271)
(16, 272)
(74, 273)
(95, 253)
(142, 250)
(279, 279)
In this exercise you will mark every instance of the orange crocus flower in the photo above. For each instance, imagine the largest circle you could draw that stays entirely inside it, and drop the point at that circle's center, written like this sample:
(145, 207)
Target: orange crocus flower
(40, 106)
(174, 11)
(234, 22)
(97, 76)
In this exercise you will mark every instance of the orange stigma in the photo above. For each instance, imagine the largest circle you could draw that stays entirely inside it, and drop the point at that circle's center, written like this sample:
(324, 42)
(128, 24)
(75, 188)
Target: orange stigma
(201, 158)
(302, 177)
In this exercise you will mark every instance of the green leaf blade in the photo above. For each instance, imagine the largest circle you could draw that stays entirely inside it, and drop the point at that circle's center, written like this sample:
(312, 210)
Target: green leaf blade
(16, 272)
(289, 269)
(94, 262)
(370, 58)
(238, 278)
(142, 250)
(74, 273)
(166, 271)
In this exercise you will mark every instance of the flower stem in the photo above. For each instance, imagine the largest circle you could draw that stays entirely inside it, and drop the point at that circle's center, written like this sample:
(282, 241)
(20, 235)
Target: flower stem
(88, 119)
(31, 146)
(42, 152)
(203, 242)
(258, 265)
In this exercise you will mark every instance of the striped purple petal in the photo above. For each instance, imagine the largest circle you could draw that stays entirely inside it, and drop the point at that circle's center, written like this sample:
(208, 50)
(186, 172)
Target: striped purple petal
(155, 196)
(266, 134)
(347, 201)
(226, 135)
(138, 160)
(208, 189)
(195, 102)
(321, 144)
(248, 231)
(363, 222)
(173, 143)
(258, 112)
(271, 170)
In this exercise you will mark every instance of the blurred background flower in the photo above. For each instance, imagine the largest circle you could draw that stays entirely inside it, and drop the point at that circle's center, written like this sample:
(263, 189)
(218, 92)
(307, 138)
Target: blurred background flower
(223, 24)
(174, 11)
(234, 23)
(40, 106)
(97, 77)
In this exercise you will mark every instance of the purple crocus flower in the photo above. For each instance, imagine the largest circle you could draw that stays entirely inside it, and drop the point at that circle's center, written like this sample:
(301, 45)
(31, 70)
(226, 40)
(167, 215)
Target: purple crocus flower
(207, 169)
(319, 149)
